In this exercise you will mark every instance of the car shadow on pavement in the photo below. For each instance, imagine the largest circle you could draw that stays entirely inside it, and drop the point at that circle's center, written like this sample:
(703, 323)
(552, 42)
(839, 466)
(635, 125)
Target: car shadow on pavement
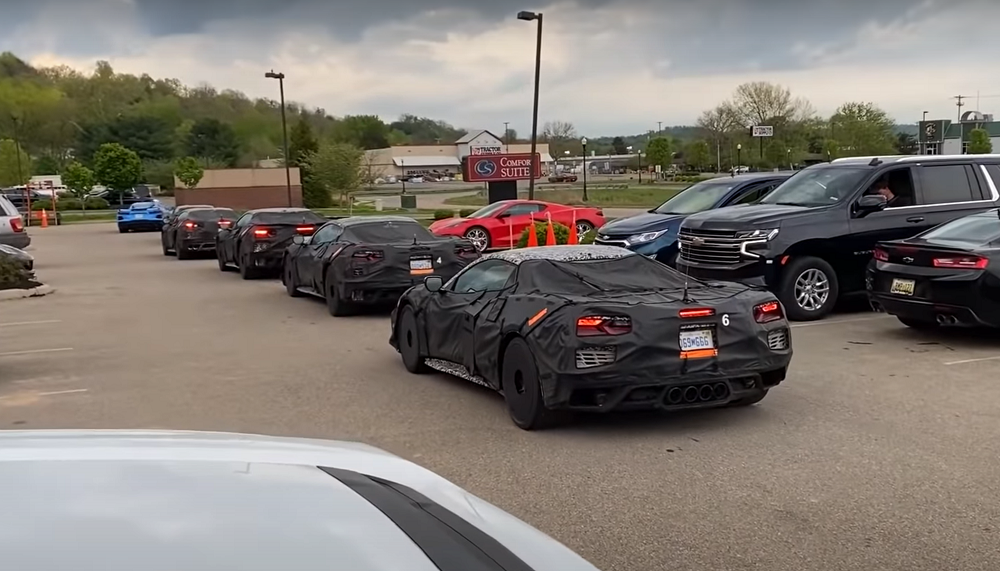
(952, 337)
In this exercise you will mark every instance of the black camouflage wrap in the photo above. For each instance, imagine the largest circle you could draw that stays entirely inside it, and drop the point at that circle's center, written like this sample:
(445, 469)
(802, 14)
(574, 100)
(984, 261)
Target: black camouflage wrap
(570, 282)
(392, 271)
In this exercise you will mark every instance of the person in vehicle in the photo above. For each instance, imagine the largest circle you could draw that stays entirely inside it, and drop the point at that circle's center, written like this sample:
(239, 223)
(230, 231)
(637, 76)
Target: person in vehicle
(881, 186)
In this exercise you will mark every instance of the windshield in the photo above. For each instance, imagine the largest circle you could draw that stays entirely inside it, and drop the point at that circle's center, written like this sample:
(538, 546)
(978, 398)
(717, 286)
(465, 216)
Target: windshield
(488, 211)
(818, 187)
(977, 230)
(696, 198)
(212, 214)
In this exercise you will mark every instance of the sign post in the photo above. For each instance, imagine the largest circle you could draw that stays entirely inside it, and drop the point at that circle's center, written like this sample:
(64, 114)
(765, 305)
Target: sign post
(761, 131)
(501, 172)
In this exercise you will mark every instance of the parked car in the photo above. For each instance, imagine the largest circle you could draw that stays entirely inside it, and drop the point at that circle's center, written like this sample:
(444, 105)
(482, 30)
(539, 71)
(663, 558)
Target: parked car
(195, 230)
(166, 500)
(171, 213)
(500, 224)
(810, 239)
(947, 276)
(256, 243)
(17, 196)
(563, 177)
(593, 329)
(12, 231)
(141, 216)
(654, 234)
(18, 255)
(369, 260)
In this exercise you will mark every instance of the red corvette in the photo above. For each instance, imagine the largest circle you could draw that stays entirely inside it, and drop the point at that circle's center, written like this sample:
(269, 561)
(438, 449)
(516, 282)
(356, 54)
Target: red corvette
(496, 225)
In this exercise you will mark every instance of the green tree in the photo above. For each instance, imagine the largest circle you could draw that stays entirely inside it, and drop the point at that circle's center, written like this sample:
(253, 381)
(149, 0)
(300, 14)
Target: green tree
(619, 146)
(364, 131)
(862, 129)
(78, 179)
(333, 168)
(301, 142)
(426, 131)
(188, 170)
(213, 139)
(979, 142)
(697, 155)
(117, 168)
(660, 152)
(906, 144)
(45, 164)
(13, 172)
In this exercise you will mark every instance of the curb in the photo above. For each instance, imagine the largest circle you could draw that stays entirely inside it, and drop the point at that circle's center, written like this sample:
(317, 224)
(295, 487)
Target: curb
(24, 293)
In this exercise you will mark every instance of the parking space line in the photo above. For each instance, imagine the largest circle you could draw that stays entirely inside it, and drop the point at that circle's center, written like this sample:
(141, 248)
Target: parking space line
(34, 351)
(19, 323)
(53, 393)
(964, 361)
(836, 321)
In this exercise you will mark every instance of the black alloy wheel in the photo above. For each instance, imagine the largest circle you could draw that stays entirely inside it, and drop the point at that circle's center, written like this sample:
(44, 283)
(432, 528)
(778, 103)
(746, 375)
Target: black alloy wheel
(408, 341)
(522, 390)
(288, 279)
(335, 303)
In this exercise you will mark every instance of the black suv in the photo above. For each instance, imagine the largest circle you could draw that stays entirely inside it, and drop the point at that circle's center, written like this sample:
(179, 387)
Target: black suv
(811, 238)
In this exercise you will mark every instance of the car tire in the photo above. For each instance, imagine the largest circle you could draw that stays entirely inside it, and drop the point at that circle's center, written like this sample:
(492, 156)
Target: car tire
(286, 279)
(522, 391)
(247, 270)
(223, 265)
(583, 227)
(918, 324)
(122, 230)
(408, 341)
(809, 289)
(335, 303)
(749, 401)
(166, 250)
(481, 241)
(182, 253)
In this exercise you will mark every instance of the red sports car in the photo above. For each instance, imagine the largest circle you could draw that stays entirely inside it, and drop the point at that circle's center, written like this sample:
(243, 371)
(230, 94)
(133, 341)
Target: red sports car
(500, 223)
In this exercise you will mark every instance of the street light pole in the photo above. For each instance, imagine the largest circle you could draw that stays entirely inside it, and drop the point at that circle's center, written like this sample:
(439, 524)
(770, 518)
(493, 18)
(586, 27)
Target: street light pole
(506, 136)
(739, 158)
(639, 155)
(20, 172)
(528, 16)
(923, 146)
(659, 128)
(584, 142)
(284, 131)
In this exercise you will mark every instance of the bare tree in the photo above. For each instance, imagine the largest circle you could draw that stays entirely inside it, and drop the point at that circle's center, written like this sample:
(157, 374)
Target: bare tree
(760, 102)
(718, 123)
(558, 131)
(371, 171)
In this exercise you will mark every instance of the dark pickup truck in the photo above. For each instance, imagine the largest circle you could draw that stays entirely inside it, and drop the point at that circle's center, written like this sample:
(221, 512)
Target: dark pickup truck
(811, 238)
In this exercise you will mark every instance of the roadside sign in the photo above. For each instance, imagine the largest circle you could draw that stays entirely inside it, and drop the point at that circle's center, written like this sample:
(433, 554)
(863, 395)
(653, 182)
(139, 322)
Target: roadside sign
(492, 168)
(763, 131)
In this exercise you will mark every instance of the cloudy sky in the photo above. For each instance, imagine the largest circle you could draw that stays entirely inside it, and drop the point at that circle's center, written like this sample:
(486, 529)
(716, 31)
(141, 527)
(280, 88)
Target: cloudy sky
(609, 66)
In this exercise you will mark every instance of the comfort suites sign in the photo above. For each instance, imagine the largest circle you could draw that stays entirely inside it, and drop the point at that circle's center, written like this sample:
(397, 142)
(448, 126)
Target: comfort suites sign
(492, 168)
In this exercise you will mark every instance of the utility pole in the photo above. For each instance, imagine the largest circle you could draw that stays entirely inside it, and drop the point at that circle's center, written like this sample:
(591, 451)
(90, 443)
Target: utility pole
(959, 104)
(659, 128)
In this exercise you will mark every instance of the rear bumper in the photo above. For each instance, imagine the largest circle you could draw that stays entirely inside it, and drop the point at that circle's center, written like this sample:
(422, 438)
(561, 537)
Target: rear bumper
(19, 240)
(964, 299)
(196, 245)
(141, 224)
(932, 312)
(760, 273)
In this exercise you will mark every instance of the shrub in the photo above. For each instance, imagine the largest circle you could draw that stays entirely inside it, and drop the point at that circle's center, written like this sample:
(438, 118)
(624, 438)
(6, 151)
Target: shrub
(443, 214)
(44, 204)
(589, 237)
(69, 203)
(14, 275)
(97, 203)
(541, 229)
(466, 212)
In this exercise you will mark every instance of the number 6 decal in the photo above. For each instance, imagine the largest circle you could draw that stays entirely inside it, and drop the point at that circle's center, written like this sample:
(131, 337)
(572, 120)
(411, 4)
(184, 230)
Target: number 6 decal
(725, 319)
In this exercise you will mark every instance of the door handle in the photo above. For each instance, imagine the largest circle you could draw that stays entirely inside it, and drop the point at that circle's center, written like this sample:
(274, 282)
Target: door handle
(915, 219)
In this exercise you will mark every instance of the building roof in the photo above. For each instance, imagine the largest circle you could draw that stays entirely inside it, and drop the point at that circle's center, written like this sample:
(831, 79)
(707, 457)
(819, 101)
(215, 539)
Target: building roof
(426, 161)
(468, 137)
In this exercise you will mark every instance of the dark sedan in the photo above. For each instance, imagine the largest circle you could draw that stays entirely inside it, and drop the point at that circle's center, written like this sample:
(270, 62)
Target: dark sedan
(947, 276)
(256, 242)
(194, 230)
(654, 233)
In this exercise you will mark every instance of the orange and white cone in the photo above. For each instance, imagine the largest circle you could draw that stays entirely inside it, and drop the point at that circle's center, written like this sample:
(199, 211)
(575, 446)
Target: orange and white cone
(532, 235)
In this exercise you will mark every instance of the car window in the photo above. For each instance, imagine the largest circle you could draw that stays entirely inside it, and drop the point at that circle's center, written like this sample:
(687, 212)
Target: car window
(941, 184)
(976, 230)
(490, 275)
(209, 214)
(818, 186)
(698, 197)
(488, 211)
(327, 234)
(7, 207)
(521, 209)
(755, 194)
(244, 220)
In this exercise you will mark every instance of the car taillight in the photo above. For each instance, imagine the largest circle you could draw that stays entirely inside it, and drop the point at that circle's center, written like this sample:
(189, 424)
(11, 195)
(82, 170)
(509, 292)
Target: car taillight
(966, 262)
(305, 230)
(190, 225)
(17, 224)
(261, 233)
(693, 312)
(593, 325)
(369, 255)
(881, 255)
(225, 223)
(767, 312)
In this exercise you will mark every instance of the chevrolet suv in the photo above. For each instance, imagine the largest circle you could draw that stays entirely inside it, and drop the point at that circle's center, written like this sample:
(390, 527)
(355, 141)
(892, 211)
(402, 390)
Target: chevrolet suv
(811, 238)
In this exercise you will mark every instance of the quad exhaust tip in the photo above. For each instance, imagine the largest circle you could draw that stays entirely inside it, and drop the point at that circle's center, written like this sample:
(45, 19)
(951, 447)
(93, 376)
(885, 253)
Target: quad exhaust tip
(699, 393)
(943, 319)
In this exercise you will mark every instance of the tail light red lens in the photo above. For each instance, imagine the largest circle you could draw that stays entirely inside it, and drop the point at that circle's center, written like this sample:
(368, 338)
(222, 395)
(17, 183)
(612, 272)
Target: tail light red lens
(225, 223)
(305, 230)
(965, 262)
(17, 224)
(881, 255)
(262, 233)
(767, 312)
(190, 225)
(369, 255)
(593, 325)
(694, 312)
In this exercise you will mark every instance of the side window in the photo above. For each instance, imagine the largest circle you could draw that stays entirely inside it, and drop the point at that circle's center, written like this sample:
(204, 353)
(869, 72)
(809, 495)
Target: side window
(748, 196)
(490, 275)
(521, 209)
(896, 185)
(327, 234)
(941, 184)
(244, 220)
(994, 174)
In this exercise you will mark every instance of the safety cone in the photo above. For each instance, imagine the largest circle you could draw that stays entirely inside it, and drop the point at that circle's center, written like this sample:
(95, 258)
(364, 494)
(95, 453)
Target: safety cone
(550, 234)
(45, 219)
(573, 239)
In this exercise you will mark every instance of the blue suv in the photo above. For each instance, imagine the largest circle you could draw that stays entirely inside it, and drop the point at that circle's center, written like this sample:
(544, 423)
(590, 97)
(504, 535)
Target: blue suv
(654, 234)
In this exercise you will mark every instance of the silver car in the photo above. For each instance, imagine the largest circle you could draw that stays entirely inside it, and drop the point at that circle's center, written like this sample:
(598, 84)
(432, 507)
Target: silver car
(164, 501)
(12, 225)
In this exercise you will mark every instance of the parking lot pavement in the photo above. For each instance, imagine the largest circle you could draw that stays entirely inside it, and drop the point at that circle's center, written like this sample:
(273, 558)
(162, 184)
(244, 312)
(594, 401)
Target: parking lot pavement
(879, 452)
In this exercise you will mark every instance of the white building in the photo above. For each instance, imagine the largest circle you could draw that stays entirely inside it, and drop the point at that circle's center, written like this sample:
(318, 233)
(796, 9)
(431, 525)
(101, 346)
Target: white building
(943, 137)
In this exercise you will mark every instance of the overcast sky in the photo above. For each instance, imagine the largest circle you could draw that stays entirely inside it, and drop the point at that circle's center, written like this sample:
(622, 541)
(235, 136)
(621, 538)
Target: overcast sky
(609, 66)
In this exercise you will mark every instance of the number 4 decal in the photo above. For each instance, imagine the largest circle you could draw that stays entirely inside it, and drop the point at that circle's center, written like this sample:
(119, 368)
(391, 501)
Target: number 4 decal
(725, 319)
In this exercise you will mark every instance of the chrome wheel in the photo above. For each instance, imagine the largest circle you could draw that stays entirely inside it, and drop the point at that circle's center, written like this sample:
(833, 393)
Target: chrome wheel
(812, 289)
(479, 238)
(582, 228)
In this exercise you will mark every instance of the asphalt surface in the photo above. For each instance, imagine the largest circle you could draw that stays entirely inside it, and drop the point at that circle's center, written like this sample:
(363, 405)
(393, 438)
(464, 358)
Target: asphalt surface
(879, 452)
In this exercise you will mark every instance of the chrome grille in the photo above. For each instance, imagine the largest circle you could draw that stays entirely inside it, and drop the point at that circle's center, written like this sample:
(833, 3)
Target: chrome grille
(719, 248)
(608, 240)
(594, 357)
(777, 340)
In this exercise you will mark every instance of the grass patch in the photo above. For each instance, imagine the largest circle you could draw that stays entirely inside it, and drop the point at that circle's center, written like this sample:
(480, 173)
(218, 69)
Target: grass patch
(645, 196)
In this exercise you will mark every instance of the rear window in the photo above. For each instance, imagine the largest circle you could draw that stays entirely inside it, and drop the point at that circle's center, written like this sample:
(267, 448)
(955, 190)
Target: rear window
(387, 233)
(978, 230)
(303, 217)
(587, 277)
(211, 214)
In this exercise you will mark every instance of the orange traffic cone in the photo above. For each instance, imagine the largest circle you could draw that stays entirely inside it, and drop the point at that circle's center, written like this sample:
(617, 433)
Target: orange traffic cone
(532, 234)
(45, 219)
(550, 234)
(573, 238)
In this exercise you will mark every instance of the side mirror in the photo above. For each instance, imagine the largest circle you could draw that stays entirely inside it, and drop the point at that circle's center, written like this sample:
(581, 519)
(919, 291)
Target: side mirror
(871, 203)
(433, 283)
(503, 215)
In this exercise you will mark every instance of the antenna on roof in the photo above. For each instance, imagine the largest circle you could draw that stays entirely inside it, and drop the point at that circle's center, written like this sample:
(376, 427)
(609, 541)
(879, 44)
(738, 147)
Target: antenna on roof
(684, 297)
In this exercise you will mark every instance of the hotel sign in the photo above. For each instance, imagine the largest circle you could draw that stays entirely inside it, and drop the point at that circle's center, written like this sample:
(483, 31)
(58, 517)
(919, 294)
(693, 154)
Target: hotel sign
(493, 168)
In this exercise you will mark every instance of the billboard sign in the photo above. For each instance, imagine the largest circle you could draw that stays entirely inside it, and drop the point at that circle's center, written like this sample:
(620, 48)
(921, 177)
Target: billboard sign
(762, 131)
(486, 150)
(493, 168)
